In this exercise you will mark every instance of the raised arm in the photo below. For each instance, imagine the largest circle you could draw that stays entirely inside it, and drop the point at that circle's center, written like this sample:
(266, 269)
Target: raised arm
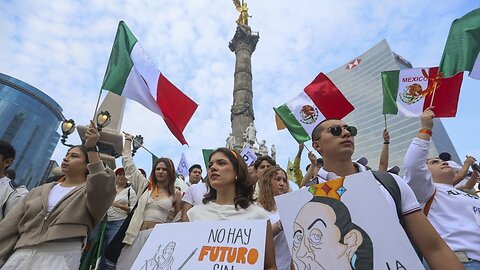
(297, 172)
(309, 175)
(470, 182)
(132, 173)
(100, 186)
(383, 164)
(417, 174)
(462, 173)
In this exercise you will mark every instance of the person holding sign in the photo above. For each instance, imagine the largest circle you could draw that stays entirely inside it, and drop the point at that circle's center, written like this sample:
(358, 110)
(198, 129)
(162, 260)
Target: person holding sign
(158, 201)
(47, 228)
(454, 213)
(273, 183)
(230, 196)
(334, 140)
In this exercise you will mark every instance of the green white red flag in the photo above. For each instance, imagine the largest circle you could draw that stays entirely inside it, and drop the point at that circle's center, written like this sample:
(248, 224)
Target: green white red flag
(409, 92)
(462, 49)
(320, 100)
(132, 74)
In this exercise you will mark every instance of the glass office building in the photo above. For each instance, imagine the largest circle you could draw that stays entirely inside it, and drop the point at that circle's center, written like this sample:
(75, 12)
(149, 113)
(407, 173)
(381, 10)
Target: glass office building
(29, 121)
(360, 82)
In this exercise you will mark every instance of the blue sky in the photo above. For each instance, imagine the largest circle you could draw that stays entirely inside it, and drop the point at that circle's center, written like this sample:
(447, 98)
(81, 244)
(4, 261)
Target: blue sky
(62, 48)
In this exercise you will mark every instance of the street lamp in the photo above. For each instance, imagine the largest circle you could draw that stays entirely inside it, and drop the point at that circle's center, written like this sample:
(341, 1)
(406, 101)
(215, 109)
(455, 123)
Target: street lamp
(68, 126)
(136, 144)
(103, 119)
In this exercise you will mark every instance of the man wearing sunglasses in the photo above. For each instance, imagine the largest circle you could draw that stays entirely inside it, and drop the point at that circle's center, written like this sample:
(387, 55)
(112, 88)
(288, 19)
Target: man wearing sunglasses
(334, 140)
(454, 213)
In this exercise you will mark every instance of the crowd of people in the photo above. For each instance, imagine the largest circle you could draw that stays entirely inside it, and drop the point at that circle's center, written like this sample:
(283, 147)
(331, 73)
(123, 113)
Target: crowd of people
(54, 226)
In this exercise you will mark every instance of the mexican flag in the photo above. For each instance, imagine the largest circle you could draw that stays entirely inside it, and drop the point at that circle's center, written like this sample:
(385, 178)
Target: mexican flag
(132, 74)
(320, 100)
(462, 49)
(409, 92)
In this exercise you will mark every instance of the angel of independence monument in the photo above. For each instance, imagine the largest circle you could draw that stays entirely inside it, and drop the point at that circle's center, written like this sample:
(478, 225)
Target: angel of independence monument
(242, 117)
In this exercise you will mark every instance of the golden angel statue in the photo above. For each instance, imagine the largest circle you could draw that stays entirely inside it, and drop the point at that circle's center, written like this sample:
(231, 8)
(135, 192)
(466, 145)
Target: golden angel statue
(243, 9)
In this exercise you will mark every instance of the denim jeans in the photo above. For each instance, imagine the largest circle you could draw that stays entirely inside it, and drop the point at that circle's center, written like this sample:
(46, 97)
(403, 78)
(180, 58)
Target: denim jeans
(110, 231)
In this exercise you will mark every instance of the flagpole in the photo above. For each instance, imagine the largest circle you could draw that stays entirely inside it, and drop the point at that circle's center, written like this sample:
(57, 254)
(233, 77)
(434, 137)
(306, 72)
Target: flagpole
(385, 120)
(433, 94)
(96, 107)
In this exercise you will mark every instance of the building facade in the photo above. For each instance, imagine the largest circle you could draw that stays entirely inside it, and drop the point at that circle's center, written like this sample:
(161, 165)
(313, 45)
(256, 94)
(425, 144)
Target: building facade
(30, 120)
(360, 82)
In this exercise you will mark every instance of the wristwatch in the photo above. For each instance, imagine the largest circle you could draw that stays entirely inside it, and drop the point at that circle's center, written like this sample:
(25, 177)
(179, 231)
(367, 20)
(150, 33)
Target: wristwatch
(92, 149)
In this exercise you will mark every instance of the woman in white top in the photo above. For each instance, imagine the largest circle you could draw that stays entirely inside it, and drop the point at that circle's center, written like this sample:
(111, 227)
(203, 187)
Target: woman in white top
(231, 196)
(158, 202)
(117, 213)
(47, 228)
(273, 183)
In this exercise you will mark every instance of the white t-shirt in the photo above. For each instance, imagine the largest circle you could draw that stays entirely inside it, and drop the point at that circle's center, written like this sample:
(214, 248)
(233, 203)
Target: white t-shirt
(409, 202)
(454, 213)
(115, 213)
(214, 211)
(195, 194)
(56, 194)
(282, 252)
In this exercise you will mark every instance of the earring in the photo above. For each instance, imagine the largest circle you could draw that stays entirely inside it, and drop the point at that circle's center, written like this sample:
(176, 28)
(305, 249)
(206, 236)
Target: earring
(236, 177)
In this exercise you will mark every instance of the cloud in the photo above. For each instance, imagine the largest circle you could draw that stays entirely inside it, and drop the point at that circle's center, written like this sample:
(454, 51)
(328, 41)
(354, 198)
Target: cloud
(62, 48)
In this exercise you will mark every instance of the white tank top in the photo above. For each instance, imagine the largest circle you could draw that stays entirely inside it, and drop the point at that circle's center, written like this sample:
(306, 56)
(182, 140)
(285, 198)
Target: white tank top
(158, 210)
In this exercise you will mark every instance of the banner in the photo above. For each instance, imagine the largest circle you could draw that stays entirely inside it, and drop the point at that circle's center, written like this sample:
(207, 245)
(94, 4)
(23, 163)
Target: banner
(215, 245)
(346, 223)
(248, 155)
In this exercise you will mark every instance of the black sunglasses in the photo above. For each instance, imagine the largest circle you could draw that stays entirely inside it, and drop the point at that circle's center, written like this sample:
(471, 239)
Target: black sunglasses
(337, 130)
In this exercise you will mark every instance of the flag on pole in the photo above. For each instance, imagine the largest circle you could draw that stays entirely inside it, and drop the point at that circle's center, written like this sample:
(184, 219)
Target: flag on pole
(132, 74)
(462, 49)
(409, 92)
(154, 159)
(206, 156)
(320, 100)
(182, 167)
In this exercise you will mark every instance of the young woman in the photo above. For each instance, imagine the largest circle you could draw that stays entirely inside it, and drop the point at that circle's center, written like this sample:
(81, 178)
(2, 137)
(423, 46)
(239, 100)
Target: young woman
(273, 183)
(231, 196)
(158, 202)
(47, 228)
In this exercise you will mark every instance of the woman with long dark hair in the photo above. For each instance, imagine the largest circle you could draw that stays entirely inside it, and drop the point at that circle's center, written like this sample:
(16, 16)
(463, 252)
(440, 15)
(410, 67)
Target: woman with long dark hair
(230, 196)
(158, 202)
(47, 228)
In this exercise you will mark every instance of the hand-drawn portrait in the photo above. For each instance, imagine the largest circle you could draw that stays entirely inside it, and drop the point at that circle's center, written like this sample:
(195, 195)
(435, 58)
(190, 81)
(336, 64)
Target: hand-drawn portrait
(326, 238)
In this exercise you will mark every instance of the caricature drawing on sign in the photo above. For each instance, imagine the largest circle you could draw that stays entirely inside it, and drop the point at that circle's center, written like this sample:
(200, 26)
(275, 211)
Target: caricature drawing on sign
(161, 261)
(324, 235)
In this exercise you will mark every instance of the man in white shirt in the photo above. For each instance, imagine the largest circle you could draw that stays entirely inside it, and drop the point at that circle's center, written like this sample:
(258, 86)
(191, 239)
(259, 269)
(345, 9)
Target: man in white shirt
(334, 141)
(8, 193)
(194, 174)
(454, 213)
(193, 196)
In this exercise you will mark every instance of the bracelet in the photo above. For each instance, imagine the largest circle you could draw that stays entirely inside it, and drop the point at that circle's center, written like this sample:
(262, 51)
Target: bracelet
(279, 225)
(386, 142)
(128, 139)
(425, 131)
(92, 149)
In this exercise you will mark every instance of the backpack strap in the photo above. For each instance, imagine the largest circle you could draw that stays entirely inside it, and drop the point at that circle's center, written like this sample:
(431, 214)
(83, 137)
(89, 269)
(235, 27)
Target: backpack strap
(428, 204)
(389, 183)
(128, 197)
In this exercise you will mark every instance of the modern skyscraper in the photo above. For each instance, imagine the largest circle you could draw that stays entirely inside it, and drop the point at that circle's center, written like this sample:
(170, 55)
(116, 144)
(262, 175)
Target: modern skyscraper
(360, 82)
(29, 121)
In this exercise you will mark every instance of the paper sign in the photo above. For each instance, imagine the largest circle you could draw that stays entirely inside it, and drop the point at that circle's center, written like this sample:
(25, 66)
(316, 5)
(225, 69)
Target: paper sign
(248, 155)
(205, 245)
(347, 224)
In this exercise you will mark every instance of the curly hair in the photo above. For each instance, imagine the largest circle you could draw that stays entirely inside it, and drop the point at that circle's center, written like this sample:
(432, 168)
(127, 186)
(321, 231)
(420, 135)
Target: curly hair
(243, 188)
(265, 196)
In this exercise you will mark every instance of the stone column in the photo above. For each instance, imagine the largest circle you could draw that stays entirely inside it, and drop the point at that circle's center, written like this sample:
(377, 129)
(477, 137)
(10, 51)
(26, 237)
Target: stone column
(243, 44)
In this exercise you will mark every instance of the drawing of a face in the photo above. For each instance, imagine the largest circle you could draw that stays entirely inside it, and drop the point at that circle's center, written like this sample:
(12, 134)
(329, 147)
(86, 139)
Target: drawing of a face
(319, 243)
